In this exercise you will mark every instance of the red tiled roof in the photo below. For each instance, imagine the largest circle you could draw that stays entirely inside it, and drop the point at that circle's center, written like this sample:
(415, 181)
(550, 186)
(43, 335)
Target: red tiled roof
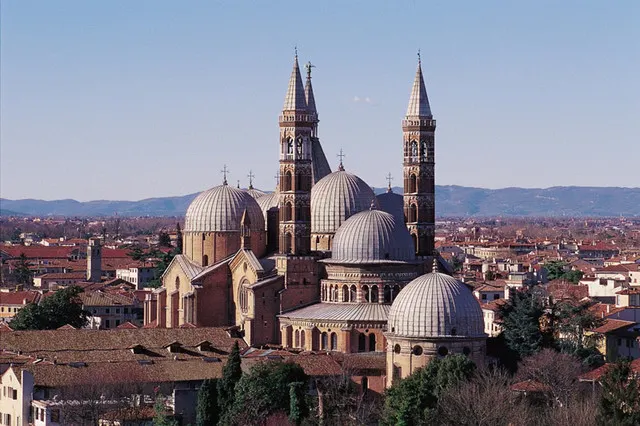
(596, 374)
(128, 325)
(64, 276)
(66, 327)
(38, 252)
(613, 325)
(19, 297)
(529, 386)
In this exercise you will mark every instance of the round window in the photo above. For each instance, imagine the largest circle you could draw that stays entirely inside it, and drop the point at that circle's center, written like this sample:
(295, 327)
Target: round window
(396, 349)
(443, 351)
(466, 350)
(417, 350)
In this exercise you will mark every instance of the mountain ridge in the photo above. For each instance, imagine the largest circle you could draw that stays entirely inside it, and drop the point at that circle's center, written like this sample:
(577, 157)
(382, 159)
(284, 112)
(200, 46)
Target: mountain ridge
(451, 200)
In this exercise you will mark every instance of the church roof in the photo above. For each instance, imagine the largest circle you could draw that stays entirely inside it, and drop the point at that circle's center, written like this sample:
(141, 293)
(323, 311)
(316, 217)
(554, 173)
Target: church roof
(392, 203)
(335, 198)
(419, 101)
(308, 94)
(319, 164)
(436, 305)
(295, 99)
(361, 312)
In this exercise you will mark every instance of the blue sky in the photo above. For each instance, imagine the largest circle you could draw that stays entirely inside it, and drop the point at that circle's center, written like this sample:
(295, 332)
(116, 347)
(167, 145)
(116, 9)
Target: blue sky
(134, 99)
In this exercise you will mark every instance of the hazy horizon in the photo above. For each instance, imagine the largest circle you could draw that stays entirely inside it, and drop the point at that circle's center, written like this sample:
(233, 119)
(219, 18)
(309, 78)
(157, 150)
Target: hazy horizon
(135, 100)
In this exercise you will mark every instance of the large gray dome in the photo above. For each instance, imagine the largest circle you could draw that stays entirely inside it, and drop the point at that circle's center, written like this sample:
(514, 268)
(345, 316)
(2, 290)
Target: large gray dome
(220, 209)
(267, 202)
(255, 193)
(335, 198)
(436, 305)
(372, 236)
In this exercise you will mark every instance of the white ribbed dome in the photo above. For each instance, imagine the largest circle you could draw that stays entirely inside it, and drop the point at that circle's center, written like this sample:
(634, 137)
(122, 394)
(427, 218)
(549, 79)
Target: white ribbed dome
(372, 236)
(220, 209)
(267, 202)
(255, 193)
(335, 198)
(436, 305)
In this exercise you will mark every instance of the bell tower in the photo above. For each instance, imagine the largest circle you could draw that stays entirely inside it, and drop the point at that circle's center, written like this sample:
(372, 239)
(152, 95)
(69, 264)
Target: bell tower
(297, 128)
(418, 130)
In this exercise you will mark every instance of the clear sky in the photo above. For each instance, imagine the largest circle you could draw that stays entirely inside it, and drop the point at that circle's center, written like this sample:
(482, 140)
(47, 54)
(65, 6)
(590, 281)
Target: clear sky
(129, 99)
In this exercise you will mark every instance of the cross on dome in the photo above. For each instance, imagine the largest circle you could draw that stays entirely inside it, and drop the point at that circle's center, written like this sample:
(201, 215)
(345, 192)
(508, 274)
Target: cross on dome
(251, 176)
(224, 172)
(341, 156)
(389, 179)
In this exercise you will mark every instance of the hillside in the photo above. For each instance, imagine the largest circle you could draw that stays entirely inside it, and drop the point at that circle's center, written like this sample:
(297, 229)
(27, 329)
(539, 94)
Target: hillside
(450, 201)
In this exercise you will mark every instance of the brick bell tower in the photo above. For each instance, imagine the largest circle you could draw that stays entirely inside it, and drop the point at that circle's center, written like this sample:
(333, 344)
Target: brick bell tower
(418, 130)
(298, 125)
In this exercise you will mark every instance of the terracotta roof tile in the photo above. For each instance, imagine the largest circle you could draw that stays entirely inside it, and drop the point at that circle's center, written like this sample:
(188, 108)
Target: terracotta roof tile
(613, 325)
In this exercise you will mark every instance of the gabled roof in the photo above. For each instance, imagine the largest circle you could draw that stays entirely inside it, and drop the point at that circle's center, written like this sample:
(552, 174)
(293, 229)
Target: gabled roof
(611, 325)
(190, 268)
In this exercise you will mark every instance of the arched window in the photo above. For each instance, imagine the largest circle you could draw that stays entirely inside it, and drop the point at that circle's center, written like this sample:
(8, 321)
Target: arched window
(396, 349)
(296, 339)
(331, 293)
(334, 342)
(205, 260)
(302, 339)
(374, 294)
(414, 149)
(372, 342)
(298, 183)
(287, 213)
(335, 293)
(413, 183)
(362, 341)
(290, 146)
(387, 294)
(396, 290)
(423, 150)
(417, 350)
(365, 385)
(443, 351)
(299, 146)
(352, 293)
(287, 242)
(177, 283)
(345, 293)
(286, 181)
(324, 341)
(413, 213)
(365, 292)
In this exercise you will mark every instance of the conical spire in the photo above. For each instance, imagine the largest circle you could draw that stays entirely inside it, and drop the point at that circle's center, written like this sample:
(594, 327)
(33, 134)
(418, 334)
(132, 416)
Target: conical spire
(308, 90)
(419, 101)
(295, 99)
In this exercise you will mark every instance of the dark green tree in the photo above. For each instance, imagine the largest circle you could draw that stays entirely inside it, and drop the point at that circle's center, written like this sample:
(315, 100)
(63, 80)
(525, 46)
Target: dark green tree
(572, 322)
(160, 417)
(207, 407)
(620, 400)
(164, 240)
(22, 273)
(414, 400)
(521, 324)
(136, 253)
(179, 238)
(555, 269)
(165, 260)
(573, 276)
(61, 308)
(265, 391)
(231, 374)
(298, 408)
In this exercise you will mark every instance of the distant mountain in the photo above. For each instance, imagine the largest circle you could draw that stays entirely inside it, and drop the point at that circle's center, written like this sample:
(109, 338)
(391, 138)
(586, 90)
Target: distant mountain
(450, 201)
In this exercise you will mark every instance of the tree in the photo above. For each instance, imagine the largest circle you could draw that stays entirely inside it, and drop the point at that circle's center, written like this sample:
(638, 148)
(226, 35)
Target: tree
(264, 391)
(179, 241)
(485, 400)
(414, 400)
(160, 417)
(207, 406)
(136, 253)
(570, 323)
(521, 324)
(165, 260)
(555, 269)
(61, 308)
(231, 374)
(573, 276)
(298, 408)
(620, 401)
(164, 240)
(22, 272)
(557, 372)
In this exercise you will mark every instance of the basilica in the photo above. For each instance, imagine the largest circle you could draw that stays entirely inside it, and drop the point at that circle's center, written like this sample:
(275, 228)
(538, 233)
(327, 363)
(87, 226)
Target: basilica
(322, 263)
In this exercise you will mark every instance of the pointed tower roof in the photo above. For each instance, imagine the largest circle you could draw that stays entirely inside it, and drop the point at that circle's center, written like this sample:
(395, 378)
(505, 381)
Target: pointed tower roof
(295, 99)
(419, 101)
(308, 90)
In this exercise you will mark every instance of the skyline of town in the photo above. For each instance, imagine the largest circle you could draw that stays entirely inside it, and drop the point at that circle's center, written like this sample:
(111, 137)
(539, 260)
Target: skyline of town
(120, 96)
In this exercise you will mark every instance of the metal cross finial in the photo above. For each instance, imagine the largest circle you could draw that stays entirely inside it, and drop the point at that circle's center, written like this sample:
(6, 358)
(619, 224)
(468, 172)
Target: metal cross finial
(251, 176)
(434, 269)
(389, 179)
(341, 156)
(419, 60)
(295, 50)
(224, 172)
(308, 66)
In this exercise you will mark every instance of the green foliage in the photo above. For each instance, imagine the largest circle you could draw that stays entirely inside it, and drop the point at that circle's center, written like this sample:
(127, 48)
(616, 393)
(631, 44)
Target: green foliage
(207, 406)
(136, 253)
(620, 400)
(555, 269)
(264, 391)
(573, 276)
(231, 374)
(179, 241)
(571, 323)
(414, 400)
(164, 240)
(22, 273)
(521, 324)
(160, 417)
(165, 260)
(61, 308)
(298, 408)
